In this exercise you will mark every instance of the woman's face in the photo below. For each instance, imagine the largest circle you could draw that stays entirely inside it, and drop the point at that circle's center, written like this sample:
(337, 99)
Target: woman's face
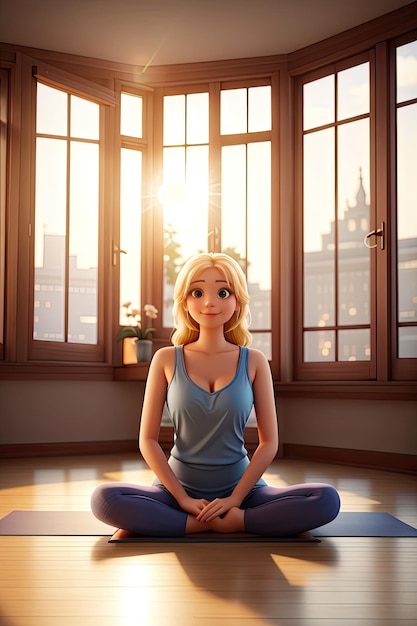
(210, 301)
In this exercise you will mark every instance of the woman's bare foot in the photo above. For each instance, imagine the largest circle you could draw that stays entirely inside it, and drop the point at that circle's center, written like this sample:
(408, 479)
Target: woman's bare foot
(232, 522)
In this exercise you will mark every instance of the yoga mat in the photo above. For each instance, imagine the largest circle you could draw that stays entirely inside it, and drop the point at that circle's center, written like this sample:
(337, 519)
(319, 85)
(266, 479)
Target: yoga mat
(53, 523)
(365, 524)
(124, 536)
(361, 524)
(83, 523)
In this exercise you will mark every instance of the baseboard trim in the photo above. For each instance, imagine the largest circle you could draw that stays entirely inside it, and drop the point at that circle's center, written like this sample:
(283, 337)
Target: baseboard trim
(71, 448)
(390, 461)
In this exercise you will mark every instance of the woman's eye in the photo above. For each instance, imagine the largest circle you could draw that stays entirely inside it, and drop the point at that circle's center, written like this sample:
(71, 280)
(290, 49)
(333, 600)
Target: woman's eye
(224, 293)
(197, 293)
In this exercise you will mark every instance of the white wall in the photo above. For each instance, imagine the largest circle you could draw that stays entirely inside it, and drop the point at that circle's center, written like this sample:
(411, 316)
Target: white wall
(69, 411)
(377, 425)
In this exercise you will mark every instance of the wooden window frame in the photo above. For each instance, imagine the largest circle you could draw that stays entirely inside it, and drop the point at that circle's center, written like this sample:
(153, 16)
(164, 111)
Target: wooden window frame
(387, 372)
(401, 369)
(335, 370)
(103, 78)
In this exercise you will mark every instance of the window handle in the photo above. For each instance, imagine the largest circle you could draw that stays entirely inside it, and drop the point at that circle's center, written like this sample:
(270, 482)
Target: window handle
(379, 232)
(116, 252)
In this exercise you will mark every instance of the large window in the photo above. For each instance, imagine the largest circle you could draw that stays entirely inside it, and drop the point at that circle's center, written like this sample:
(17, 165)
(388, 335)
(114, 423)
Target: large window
(405, 337)
(216, 188)
(301, 167)
(348, 264)
(131, 182)
(336, 217)
(66, 217)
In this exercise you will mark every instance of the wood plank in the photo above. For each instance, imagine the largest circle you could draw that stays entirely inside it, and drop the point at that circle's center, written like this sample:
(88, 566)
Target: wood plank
(89, 582)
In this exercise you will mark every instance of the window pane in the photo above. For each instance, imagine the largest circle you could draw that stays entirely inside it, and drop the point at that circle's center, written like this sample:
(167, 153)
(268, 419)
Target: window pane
(354, 345)
(130, 115)
(174, 120)
(130, 228)
(259, 114)
(319, 102)
(353, 223)
(318, 228)
(233, 111)
(66, 218)
(233, 202)
(83, 243)
(245, 225)
(353, 91)
(185, 208)
(262, 342)
(319, 346)
(50, 239)
(407, 342)
(259, 233)
(407, 72)
(407, 216)
(51, 111)
(197, 118)
(85, 118)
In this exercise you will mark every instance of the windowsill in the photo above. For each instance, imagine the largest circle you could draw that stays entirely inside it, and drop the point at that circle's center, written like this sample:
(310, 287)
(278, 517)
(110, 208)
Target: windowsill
(76, 371)
(133, 371)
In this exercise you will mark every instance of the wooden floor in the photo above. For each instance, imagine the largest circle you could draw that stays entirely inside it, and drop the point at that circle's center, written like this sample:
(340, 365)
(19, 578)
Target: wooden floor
(85, 581)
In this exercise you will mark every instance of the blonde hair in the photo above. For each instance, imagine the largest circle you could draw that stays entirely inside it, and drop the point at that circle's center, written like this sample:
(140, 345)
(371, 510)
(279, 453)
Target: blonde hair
(236, 329)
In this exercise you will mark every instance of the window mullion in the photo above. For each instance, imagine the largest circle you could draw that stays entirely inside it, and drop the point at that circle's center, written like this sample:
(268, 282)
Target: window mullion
(67, 222)
(214, 207)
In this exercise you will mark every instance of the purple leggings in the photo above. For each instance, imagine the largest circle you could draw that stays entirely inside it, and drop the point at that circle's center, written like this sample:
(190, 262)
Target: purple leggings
(271, 511)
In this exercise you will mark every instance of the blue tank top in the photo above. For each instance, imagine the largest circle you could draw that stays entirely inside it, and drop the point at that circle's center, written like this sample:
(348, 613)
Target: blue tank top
(209, 455)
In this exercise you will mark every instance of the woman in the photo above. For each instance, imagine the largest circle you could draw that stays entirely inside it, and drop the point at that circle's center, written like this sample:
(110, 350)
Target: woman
(210, 381)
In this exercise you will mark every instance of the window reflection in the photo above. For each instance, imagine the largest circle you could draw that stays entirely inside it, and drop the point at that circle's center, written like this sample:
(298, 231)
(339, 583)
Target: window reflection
(245, 110)
(259, 109)
(85, 119)
(233, 199)
(319, 236)
(233, 107)
(353, 96)
(83, 243)
(131, 107)
(336, 218)
(51, 111)
(130, 228)
(246, 208)
(66, 218)
(407, 72)
(320, 346)
(406, 65)
(234, 214)
(354, 345)
(318, 109)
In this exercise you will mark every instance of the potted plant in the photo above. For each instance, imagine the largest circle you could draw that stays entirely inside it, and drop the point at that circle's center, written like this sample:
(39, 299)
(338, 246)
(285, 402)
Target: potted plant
(135, 330)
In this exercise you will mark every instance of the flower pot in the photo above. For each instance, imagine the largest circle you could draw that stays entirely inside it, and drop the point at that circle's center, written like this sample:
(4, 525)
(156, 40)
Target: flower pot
(143, 349)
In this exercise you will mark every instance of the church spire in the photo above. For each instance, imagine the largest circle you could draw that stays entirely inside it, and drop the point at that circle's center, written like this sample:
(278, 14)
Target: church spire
(361, 194)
